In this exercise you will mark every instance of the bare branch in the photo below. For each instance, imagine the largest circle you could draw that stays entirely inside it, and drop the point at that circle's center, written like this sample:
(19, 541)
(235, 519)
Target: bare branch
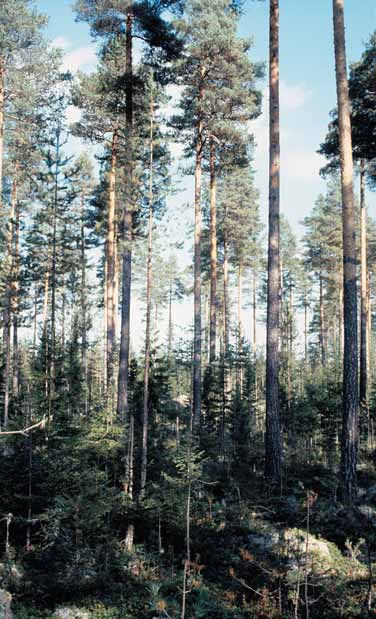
(24, 431)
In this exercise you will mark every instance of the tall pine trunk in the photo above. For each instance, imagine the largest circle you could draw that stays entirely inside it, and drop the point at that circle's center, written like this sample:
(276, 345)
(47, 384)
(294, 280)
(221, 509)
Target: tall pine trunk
(149, 275)
(15, 299)
(305, 332)
(273, 443)
(349, 442)
(213, 255)
(254, 313)
(2, 101)
(254, 333)
(240, 328)
(127, 238)
(170, 324)
(84, 306)
(127, 234)
(322, 321)
(226, 296)
(111, 267)
(7, 314)
(52, 356)
(363, 378)
(197, 337)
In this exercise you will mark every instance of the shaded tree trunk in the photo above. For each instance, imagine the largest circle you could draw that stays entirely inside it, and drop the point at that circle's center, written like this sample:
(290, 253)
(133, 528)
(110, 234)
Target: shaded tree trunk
(127, 234)
(7, 315)
(197, 268)
(45, 319)
(2, 101)
(240, 327)
(84, 307)
(35, 320)
(363, 377)
(340, 323)
(170, 325)
(322, 321)
(349, 442)
(111, 267)
(127, 239)
(254, 314)
(254, 338)
(63, 313)
(213, 255)
(15, 300)
(149, 276)
(273, 443)
(305, 333)
(52, 351)
(226, 297)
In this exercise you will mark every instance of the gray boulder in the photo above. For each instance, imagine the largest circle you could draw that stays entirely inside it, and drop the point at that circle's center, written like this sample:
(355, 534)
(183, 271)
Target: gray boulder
(70, 612)
(321, 557)
(5, 603)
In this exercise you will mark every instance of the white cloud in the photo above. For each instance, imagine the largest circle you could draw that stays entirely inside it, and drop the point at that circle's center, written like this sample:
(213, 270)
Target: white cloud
(82, 58)
(73, 114)
(302, 164)
(291, 96)
(294, 96)
(61, 42)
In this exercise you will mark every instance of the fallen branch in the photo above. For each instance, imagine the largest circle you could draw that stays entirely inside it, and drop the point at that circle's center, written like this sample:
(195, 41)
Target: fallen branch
(24, 431)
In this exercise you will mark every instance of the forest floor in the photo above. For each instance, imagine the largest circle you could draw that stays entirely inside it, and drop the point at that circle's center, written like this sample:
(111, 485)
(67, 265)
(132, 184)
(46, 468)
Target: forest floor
(252, 555)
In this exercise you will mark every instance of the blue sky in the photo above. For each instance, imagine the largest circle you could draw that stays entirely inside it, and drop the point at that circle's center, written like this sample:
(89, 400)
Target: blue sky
(307, 82)
(307, 96)
(307, 89)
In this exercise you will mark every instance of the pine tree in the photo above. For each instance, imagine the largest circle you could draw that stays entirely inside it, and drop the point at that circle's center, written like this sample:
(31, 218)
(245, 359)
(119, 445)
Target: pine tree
(214, 62)
(20, 41)
(103, 106)
(323, 243)
(273, 446)
(110, 18)
(362, 96)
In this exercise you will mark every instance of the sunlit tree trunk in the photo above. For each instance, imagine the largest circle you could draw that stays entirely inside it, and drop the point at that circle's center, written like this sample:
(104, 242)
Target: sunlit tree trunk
(349, 443)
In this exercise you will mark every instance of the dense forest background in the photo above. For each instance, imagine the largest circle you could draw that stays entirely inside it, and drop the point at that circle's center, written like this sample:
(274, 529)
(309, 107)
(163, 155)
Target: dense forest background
(223, 467)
